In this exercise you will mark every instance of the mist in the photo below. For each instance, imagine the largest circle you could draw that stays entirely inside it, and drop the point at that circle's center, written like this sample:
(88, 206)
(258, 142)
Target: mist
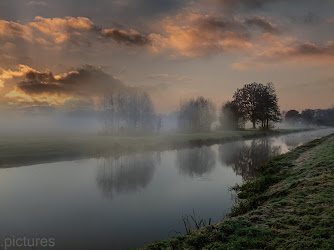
(54, 124)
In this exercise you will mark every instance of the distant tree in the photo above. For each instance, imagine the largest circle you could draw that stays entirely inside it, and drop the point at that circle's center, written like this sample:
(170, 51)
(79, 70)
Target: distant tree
(247, 101)
(268, 110)
(313, 116)
(159, 123)
(258, 103)
(197, 114)
(292, 116)
(308, 116)
(129, 111)
(330, 121)
(231, 117)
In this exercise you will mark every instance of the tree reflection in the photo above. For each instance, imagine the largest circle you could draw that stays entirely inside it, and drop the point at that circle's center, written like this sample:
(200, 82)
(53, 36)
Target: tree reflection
(196, 162)
(244, 157)
(126, 174)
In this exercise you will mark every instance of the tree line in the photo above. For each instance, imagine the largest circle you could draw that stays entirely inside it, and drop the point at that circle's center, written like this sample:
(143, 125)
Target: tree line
(310, 117)
(255, 102)
(133, 111)
(129, 111)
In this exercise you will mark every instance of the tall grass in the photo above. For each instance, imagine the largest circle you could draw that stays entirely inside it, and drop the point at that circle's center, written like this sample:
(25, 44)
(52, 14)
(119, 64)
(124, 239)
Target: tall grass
(191, 222)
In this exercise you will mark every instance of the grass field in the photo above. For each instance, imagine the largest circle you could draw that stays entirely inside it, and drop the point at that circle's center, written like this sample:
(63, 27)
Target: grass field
(19, 151)
(290, 206)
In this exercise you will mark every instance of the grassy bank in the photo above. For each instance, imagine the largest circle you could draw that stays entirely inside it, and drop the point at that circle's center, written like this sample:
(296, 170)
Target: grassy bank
(290, 206)
(18, 151)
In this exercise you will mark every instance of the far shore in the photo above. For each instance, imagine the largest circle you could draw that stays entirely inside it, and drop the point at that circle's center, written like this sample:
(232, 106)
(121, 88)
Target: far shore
(28, 150)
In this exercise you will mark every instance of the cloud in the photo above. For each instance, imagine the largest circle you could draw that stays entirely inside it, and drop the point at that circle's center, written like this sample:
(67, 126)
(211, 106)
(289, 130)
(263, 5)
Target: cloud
(187, 34)
(85, 81)
(231, 5)
(131, 37)
(309, 48)
(197, 35)
(74, 30)
(14, 30)
(10, 74)
(309, 18)
(61, 29)
(309, 53)
(272, 49)
(34, 87)
(38, 3)
(46, 31)
(292, 49)
(263, 24)
(247, 3)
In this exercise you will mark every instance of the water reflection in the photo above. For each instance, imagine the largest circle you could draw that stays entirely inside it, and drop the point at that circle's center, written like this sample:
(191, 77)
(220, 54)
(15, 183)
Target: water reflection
(294, 140)
(126, 174)
(149, 197)
(196, 162)
(244, 156)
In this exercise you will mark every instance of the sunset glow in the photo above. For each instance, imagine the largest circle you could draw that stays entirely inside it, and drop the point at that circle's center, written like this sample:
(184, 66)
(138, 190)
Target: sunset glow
(218, 44)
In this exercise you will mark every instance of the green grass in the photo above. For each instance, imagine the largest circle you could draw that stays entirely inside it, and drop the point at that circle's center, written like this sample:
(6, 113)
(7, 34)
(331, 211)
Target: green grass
(290, 206)
(15, 151)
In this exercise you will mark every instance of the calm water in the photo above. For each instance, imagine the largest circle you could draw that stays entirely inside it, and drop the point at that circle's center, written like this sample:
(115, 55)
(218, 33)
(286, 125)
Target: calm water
(131, 200)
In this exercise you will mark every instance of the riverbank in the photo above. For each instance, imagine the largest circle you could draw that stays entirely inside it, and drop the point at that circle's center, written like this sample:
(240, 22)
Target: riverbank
(290, 206)
(20, 151)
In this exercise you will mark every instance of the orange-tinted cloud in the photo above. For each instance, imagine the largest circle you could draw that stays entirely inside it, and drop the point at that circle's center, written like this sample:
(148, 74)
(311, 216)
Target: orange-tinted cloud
(86, 81)
(273, 49)
(15, 30)
(188, 34)
(10, 74)
(61, 30)
(30, 86)
(196, 35)
(57, 31)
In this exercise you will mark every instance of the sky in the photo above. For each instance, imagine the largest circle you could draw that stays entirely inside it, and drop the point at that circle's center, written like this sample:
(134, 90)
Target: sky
(70, 53)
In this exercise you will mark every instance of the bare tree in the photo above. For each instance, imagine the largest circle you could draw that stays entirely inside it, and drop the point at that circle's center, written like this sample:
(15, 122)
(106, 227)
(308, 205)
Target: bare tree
(129, 111)
(197, 114)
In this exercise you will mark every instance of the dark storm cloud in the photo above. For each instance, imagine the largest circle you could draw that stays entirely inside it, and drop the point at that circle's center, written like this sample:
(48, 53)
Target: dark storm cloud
(86, 81)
